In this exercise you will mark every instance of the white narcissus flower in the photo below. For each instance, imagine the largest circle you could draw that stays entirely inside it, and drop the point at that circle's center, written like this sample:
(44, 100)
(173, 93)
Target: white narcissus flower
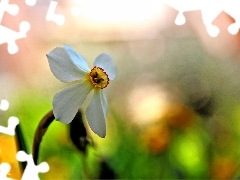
(67, 65)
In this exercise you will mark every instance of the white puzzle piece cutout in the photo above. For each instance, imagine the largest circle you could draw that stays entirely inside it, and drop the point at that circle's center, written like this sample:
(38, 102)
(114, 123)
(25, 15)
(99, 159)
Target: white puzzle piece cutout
(12, 9)
(31, 171)
(4, 170)
(30, 2)
(210, 9)
(51, 16)
(4, 105)
(8, 35)
(232, 8)
(12, 123)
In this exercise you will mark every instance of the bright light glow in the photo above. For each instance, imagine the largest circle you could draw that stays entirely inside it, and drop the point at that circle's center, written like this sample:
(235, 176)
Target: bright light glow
(139, 14)
(4, 105)
(115, 11)
(147, 104)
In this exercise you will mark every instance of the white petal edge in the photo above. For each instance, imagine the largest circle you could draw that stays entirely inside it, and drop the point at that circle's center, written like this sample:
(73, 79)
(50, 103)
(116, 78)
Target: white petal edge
(104, 103)
(106, 62)
(68, 100)
(62, 66)
(77, 58)
(96, 114)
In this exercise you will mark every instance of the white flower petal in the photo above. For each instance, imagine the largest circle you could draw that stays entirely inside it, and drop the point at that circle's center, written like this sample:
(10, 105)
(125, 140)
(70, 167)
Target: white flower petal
(96, 112)
(68, 100)
(104, 103)
(106, 62)
(77, 58)
(63, 67)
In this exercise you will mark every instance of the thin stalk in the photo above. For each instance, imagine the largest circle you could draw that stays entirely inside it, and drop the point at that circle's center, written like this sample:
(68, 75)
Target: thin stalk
(39, 133)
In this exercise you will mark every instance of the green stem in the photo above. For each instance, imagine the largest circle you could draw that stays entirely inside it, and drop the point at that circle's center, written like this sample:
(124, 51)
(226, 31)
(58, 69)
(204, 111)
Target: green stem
(39, 133)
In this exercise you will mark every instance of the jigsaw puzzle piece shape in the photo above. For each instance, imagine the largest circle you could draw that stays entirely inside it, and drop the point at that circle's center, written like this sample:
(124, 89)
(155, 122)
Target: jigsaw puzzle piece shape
(231, 7)
(4, 170)
(31, 171)
(51, 16)
(9, 36)
(183, 6)
(12, 9)
(210, 11)
(12, 123)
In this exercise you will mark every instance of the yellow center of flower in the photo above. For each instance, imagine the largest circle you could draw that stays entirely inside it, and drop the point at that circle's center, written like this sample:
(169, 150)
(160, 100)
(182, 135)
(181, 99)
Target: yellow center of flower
(99, 77)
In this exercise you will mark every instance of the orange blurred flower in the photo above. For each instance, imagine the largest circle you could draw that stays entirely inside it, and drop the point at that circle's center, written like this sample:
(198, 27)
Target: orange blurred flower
(223, 168)
(178, 116)
(156, 138)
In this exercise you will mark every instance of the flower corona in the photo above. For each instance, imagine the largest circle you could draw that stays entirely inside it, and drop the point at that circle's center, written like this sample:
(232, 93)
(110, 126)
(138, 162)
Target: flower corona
(99, 77)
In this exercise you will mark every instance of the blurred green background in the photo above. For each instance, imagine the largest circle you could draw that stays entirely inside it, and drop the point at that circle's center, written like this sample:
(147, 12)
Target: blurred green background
(173, 117)
(174, 108)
